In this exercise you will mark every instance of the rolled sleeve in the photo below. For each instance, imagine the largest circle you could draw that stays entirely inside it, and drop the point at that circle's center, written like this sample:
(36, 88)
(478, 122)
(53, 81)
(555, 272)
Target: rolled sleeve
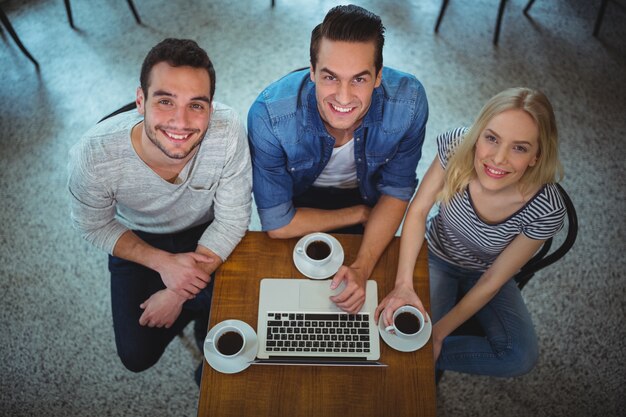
(401, 193)
(276, 217)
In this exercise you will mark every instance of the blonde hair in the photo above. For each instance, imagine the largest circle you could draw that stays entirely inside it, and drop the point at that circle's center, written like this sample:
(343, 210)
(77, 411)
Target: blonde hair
(460, 167)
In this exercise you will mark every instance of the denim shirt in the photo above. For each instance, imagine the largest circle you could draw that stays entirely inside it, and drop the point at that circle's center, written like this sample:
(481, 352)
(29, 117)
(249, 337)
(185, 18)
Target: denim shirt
(290, 145)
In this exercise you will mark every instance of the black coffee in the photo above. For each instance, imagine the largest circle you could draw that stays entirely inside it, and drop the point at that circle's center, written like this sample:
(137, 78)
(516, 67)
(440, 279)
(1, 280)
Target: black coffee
(407, 323)
(229, 343)
(318, 250)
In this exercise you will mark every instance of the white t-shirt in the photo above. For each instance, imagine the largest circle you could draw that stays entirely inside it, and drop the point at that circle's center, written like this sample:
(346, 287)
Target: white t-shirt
(340, 172)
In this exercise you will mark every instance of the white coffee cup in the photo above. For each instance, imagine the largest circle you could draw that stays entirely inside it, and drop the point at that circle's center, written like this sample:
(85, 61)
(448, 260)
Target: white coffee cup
(407, 322)
(229, 341)
(317, 248)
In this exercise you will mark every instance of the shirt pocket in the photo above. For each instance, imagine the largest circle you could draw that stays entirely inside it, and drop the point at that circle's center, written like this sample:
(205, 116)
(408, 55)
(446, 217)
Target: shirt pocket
(201, 197)
(376, 161)
(301, 169)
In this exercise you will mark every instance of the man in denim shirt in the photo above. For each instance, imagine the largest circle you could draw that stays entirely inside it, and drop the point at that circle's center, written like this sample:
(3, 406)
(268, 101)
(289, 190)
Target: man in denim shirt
(335, 147)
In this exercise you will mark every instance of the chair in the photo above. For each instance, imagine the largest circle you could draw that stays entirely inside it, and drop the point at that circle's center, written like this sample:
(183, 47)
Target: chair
(122, 109)
(596, 27)
(541, 260)
(68, 9)
(7, 24)
(444, 5)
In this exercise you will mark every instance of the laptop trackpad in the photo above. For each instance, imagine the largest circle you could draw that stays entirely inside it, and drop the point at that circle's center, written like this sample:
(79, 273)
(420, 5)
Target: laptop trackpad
(314, 296)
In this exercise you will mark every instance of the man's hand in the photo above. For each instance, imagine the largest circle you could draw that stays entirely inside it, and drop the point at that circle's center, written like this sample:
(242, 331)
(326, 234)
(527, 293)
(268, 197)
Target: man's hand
(183, 272)
(397, 298)
(352, 298)
(161, 309)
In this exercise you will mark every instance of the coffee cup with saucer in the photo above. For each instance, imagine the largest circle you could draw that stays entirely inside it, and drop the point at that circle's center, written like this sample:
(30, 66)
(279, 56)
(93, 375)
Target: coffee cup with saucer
(318, 255)
(409, 330)
(230, 346)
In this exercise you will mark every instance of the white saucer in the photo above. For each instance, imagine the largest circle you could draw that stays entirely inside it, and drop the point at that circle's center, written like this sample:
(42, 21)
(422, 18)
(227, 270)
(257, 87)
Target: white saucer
(403, 344)
(314, 271)
(239, 362)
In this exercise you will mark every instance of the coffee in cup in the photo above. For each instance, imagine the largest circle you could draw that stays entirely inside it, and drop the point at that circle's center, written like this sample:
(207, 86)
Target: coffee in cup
(317, 248)
(408, 321)
(229, 341)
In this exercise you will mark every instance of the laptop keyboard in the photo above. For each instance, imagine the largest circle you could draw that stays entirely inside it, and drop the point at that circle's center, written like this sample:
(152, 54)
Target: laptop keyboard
(318, 332)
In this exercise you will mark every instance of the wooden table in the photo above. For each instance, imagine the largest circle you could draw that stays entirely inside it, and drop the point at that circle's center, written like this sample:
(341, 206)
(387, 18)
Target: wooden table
(405, 388)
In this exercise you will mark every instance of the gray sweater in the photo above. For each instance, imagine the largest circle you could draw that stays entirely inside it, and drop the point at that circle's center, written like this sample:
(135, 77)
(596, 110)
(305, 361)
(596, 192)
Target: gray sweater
(113, 190)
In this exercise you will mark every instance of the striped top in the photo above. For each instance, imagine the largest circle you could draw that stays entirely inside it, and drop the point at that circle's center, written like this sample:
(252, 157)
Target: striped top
(458, 235)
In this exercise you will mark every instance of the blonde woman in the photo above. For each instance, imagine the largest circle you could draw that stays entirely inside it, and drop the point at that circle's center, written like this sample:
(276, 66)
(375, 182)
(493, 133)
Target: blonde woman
(494, 183)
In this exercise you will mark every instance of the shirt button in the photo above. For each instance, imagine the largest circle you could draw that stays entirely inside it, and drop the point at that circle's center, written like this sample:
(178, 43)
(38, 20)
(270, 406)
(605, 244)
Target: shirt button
(359, 159)
(364, 197)
(387, 160)
(293, 169)
(358, 139)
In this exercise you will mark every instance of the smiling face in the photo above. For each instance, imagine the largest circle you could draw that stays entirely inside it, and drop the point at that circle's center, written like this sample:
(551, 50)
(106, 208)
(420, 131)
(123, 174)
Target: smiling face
(345, 78)
(177, 111)
(505, 149)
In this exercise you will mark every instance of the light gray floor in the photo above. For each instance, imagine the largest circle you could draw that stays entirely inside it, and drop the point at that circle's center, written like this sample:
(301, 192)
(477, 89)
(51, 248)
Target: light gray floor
(56, 340)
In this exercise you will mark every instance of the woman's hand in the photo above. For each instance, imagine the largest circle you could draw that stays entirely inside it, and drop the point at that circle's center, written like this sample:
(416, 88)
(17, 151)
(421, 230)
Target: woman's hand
(400, 296)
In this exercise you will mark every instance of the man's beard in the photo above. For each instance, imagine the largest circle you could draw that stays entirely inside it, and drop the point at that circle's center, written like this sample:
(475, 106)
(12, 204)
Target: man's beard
(152, 135)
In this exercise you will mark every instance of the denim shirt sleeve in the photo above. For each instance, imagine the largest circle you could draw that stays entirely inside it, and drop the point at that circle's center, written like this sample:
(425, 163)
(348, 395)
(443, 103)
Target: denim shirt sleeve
(272, 185)
(398, 176)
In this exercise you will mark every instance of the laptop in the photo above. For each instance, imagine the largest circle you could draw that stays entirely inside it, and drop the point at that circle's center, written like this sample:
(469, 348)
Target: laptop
(299, 325)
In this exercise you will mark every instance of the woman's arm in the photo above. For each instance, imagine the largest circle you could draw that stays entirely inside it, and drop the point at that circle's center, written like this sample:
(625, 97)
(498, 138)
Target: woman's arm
(516, 254)
(413, 233)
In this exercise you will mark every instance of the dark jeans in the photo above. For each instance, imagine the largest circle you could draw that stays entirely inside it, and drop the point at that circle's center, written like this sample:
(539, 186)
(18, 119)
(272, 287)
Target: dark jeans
(329, 198)
(140, 347)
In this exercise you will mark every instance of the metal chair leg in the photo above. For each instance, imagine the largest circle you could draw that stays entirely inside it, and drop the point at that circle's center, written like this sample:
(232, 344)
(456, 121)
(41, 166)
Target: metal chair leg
(528, 6)
(5, 20)
(444, 4)
(132, 9)
(68, 9)
(596, 28)
(500, 13)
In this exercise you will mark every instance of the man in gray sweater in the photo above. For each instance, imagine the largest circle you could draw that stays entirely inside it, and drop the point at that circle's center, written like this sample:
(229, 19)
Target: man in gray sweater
(166, 191)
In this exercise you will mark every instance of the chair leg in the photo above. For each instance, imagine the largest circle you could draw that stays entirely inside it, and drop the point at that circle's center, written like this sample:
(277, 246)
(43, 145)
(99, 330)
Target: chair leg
(5, 20)
(273, 3)
(132, 9)
(444, 4)
(596, 28)
(528, 6)
(500, 13)
(68, 9)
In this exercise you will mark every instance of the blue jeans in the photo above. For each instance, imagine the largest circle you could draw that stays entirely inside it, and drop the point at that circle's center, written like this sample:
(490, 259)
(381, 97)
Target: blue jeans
(509, 347)
(140, 347)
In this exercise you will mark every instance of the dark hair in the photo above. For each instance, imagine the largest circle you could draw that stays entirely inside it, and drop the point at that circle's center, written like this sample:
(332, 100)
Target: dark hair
(177, 53)
(350, 24)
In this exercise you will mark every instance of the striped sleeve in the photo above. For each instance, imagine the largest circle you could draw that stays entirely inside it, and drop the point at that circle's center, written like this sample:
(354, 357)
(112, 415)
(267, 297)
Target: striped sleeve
(547, 213)
(447, 143)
